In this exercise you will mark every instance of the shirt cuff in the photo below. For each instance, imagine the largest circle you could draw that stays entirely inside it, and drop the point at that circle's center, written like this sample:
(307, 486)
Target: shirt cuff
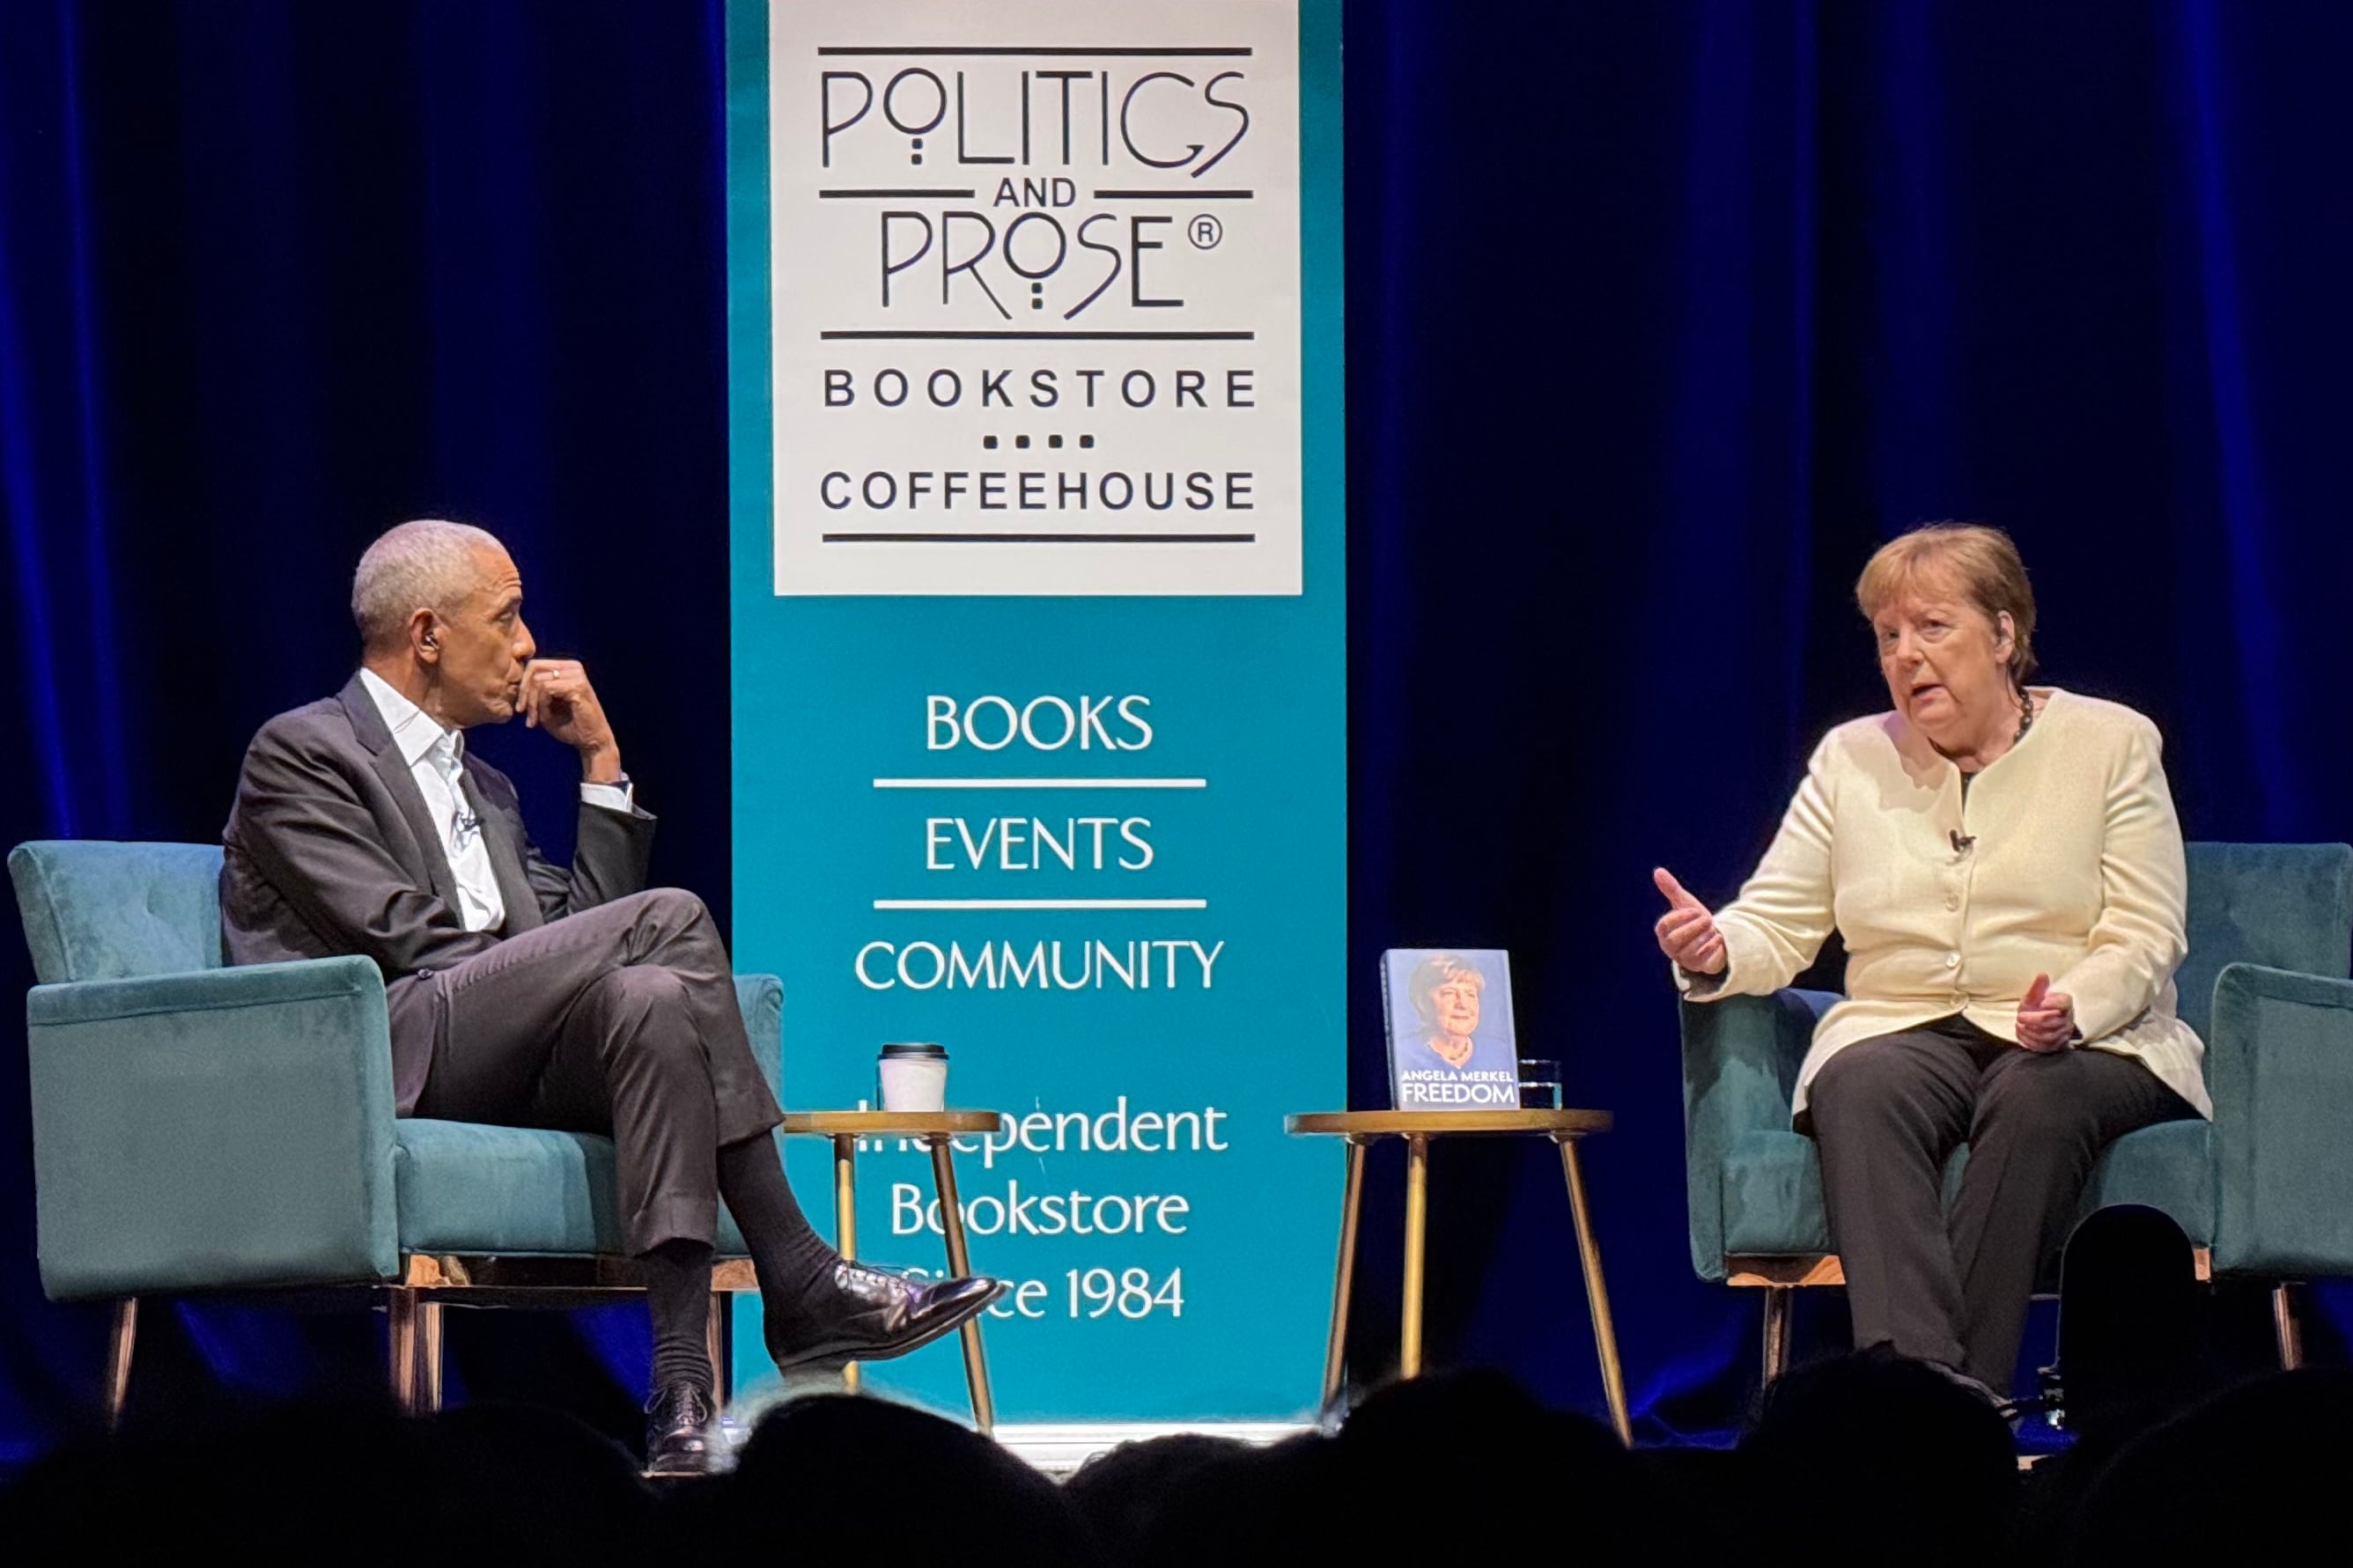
(1701, 987)
(620, 797)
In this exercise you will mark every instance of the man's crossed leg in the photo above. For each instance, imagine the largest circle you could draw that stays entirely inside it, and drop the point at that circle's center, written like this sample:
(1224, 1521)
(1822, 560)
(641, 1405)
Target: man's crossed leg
(623, 1020)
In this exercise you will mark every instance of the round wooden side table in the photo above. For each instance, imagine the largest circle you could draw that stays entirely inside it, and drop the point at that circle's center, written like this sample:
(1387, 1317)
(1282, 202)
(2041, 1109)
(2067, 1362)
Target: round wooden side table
(1362, 1128)
(933, 1128)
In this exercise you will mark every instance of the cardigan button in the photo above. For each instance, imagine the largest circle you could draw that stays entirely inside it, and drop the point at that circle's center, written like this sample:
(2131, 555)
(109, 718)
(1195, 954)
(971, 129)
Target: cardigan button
(1952, 960)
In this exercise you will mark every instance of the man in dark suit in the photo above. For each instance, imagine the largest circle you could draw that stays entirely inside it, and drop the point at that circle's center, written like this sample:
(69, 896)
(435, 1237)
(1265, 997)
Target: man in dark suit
(524, 995)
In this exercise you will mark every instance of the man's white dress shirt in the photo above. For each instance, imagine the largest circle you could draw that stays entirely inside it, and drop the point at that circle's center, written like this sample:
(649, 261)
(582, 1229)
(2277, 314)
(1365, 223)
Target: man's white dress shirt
(437, 758)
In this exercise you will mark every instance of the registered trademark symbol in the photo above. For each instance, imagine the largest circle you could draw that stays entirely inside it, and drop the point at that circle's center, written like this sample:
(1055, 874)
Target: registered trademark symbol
(1206, 232)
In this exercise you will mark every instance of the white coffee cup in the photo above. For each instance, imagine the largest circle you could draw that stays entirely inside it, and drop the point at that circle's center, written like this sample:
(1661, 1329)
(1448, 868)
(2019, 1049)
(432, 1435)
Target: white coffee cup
(912, 1076)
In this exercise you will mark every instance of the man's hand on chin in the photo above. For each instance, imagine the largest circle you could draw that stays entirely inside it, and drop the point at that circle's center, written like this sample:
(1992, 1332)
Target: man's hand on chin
(557, 697)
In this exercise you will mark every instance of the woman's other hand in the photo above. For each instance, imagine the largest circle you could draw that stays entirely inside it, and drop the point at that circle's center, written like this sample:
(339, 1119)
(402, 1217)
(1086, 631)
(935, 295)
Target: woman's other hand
(1687, 933)
(2046, 1018)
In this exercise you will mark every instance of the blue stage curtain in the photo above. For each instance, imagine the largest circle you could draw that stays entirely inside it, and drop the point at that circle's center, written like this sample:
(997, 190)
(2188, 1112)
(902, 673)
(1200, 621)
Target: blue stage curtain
(273, 276)
(1661, 316)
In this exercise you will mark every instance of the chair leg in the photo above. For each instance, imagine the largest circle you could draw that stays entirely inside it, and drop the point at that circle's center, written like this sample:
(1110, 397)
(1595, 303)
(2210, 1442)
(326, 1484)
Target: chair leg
(721, 1338)
(1779, 1300)
(428, 1354)
(400, 1347)
(119, 1341)
(2284, 1327)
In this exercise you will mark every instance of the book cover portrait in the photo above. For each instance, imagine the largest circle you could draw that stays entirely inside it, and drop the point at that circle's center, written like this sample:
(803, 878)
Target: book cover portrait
(1452, 1045)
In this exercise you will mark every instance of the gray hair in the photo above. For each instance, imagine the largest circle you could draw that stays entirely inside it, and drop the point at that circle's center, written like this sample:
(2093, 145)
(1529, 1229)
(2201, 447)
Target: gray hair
(428, 564)
(1435, 971)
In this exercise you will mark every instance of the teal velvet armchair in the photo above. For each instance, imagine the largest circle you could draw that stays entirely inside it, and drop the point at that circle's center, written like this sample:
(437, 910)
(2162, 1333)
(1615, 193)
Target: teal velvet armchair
(2264, 1190)
(198, 1128)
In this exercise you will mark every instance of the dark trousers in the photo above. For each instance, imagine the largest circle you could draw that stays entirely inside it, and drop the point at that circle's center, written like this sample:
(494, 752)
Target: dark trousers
(621, 1019)
(1888, 1113)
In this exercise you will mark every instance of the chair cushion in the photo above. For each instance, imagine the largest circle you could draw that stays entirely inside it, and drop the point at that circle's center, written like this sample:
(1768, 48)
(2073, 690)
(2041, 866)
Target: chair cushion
(96, 910)
(2169, 1167)
(468, 1188)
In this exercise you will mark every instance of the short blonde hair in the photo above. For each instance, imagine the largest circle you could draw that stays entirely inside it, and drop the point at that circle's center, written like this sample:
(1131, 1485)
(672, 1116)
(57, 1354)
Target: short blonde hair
(1978, 561)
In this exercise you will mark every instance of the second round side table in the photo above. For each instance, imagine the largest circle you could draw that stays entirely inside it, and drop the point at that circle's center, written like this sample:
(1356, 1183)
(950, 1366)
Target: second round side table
(934, 1130)
(1362, 1128)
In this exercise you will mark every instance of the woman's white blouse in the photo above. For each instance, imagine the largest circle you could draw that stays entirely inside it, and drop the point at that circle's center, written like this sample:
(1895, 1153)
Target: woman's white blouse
(2072, 867)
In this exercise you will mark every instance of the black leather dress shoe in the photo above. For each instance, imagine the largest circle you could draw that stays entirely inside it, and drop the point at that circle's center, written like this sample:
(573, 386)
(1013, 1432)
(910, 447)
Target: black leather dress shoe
(877, 1314)
(681, 1433)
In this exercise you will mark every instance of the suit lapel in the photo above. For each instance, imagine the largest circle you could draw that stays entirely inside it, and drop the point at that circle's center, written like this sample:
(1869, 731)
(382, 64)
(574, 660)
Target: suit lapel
(369, 727)
(506, 862)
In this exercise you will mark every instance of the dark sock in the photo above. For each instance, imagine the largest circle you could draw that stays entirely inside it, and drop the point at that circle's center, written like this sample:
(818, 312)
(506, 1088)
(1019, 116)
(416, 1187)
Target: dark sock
(792, 1261)
(678, 1298)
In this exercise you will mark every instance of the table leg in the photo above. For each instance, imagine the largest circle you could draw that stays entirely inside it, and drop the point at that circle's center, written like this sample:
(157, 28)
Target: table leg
(1597, 1295)
(976, 1366)
(1336, 1348)
(1417, 1212)
(845, 1220)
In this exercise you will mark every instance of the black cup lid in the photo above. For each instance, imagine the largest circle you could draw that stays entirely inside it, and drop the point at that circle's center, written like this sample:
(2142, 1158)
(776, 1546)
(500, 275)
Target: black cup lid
(916, 1049)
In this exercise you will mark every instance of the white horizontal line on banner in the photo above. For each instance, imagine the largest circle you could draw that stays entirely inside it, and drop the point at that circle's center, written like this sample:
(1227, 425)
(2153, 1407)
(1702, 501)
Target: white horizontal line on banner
(1041, 784)
(1124, 50)
(1018, 335)
(1042, 904)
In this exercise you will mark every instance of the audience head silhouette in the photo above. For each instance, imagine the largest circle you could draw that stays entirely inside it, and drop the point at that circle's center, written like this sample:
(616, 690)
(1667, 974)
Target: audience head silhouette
(1892, 1457)
(1863, 1456)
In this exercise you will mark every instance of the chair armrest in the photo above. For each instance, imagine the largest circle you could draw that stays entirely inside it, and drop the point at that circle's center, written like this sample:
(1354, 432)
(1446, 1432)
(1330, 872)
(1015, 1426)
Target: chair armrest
(1740, 1068)
(762, 998)
(197, 991)
(2280, 1065)
(218, 1128)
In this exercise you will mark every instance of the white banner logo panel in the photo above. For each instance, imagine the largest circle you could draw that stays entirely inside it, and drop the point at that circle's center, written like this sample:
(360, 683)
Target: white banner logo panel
(1036, 304)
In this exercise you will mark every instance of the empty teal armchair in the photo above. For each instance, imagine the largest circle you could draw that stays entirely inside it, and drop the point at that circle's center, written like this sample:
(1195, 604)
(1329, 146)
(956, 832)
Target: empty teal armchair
(197, 1128)
(2264, 1190)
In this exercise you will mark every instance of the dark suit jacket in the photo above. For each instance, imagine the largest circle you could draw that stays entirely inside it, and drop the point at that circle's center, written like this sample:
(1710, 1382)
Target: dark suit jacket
(329, 850)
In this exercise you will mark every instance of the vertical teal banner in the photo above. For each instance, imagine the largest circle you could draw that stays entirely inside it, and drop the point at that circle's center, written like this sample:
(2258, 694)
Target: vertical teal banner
(1039, 656)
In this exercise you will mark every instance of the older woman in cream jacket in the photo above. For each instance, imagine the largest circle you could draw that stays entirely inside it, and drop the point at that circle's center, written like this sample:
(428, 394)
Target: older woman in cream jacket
(2004, 864)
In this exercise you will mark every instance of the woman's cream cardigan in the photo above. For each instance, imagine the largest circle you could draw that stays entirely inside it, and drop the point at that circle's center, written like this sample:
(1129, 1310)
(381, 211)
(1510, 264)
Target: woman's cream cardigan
(2070, 865)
